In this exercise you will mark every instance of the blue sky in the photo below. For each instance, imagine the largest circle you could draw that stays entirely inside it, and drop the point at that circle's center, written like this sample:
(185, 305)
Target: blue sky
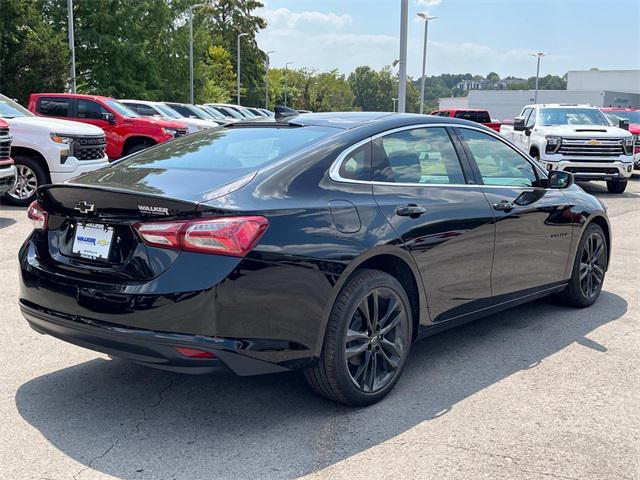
(476, 36)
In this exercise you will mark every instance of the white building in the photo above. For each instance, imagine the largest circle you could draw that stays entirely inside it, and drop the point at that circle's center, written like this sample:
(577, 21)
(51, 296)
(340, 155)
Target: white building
(619, 88)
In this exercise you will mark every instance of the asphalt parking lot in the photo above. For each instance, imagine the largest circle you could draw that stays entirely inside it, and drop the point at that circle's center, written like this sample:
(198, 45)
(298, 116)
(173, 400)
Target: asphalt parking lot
(540, 391)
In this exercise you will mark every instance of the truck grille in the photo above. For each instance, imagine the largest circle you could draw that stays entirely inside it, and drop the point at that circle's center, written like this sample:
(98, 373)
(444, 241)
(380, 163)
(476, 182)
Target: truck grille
(89, 148)
(181, 132)
(5, 144)
(578, 170)
(591, 147)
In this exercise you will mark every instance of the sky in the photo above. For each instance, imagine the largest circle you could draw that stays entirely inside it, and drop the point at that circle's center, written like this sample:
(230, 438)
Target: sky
(475, 36)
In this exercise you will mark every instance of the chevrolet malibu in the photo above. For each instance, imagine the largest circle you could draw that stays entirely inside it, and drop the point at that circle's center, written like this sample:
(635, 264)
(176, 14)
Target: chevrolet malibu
(327, 243)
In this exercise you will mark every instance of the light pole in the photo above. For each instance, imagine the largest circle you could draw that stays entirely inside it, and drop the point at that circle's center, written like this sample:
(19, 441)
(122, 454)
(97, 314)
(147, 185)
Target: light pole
(191, 8)
(72, 45)
(539, 55)
(402, 73)
(266, 80)
(240, 35)
(286, 76)
(424, 56)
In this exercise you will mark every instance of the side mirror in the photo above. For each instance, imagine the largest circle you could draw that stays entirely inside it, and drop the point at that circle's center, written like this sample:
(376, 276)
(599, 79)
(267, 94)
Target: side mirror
(624, 124)
(108, 117)
(560, 179)
(518, 124)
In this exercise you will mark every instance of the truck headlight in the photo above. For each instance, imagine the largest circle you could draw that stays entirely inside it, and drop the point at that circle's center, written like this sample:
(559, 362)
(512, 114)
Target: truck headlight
(553, 143)
(60, 138)
(628, 145)
(170, 131)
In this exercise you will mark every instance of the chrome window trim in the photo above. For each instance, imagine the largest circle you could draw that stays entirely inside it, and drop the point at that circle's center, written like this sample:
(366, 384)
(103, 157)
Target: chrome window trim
(334, 170)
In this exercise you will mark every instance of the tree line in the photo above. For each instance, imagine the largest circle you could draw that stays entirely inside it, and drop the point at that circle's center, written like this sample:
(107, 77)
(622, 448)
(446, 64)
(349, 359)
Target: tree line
(140, 49)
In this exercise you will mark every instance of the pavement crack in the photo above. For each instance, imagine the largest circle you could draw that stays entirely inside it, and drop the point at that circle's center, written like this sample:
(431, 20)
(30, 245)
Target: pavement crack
(92, 461)
(155, 405)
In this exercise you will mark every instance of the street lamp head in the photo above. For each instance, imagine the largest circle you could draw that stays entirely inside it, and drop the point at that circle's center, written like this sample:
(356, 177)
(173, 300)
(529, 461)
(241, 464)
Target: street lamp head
(538, 54)
(197, 5)
(242, 35)
(425, 16)
(395, 62)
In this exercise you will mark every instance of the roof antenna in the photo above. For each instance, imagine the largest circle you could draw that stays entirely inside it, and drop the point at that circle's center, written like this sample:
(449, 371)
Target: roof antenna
(285, 112)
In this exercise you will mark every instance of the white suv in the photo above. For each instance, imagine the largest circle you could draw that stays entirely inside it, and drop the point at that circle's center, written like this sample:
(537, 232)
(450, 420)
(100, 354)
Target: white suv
(48, 150)
(159, 109)
(577, 139)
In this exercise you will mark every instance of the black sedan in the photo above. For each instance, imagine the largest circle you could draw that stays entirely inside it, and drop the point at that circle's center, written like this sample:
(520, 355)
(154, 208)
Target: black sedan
(322, 242)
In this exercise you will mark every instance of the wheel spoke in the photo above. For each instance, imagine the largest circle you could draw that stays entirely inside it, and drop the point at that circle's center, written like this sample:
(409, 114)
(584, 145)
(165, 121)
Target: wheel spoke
(354, 335)
(393, 363)
(391, 308)
(584, 270)
(598, 252)
(390, 347)
(364, 310)
(362, 368)
(373, 368)
(392, 324)
(356, 350)
(375, 313)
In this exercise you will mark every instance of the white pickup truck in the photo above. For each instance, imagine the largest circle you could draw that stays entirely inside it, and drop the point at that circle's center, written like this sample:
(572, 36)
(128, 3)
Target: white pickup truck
(48, 150)
(577, 139)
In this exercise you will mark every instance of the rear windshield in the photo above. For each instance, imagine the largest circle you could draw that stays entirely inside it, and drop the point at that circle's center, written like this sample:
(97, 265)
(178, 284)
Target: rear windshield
(479, 117)
(229, 148)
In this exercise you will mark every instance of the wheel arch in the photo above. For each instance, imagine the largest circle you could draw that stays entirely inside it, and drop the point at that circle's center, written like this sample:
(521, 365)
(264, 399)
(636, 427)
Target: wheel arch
(395, 261)
(34, 154)
(134, 140)
(603, 223)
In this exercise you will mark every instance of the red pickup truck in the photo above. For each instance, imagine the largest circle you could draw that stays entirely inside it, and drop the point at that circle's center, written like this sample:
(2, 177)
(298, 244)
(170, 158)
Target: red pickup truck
(478, 116)
(126, 132)
(614, 114)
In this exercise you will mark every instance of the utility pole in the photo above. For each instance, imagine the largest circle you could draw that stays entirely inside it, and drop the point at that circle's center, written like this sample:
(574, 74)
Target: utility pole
(402, 73)
(539, 55)
(240, 35)
(286, 79)
(424, 56)
(266, 81)
(72, 45)
(191, 8)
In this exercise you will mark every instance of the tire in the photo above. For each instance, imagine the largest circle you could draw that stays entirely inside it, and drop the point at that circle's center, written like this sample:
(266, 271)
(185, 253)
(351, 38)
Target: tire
(617, 187)
(31, 174)
(363, 370)
(577, 294)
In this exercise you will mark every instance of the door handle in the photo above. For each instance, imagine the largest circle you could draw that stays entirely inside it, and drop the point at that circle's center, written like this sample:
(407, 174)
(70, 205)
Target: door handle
(413, 211)
(504, 206)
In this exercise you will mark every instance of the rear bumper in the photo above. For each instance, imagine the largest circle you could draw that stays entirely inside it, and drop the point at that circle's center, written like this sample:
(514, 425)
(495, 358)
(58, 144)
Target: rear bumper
(146, 347)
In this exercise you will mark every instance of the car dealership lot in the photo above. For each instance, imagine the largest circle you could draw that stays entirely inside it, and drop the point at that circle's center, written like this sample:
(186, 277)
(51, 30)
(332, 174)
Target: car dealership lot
(540, 391)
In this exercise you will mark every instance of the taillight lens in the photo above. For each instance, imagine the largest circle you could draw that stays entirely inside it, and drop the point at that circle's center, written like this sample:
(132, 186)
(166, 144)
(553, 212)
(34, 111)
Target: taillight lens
(38, 215)
(234, 236)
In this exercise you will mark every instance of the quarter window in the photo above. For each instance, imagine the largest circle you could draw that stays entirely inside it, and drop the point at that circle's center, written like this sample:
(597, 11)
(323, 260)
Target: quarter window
(420, 155)
(498, 163)
(54, 107)
(356, 166)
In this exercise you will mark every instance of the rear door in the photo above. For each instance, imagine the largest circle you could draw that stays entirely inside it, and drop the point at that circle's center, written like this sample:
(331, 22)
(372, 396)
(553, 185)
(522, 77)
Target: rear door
(533, 223)
(428, 195)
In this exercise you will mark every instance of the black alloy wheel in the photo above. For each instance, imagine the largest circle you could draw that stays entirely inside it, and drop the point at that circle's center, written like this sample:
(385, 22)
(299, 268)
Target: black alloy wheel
(367, 340)
(589, 269)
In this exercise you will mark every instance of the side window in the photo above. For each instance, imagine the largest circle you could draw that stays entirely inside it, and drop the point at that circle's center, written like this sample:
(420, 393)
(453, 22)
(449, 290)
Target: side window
(357, 165)
(444, 114)
(90, 110)
(144, 110)
(54, 107)
(420, 155)
(531, 121)
(498, 163)
(182, 110)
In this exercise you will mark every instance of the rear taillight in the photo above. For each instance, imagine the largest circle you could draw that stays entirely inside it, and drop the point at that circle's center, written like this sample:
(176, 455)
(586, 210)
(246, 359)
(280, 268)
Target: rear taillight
(234, 236)
(38, 215)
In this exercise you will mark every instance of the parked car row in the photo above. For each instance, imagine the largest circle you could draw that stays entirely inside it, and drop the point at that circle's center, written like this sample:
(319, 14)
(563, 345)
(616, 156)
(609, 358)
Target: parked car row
(63, 135)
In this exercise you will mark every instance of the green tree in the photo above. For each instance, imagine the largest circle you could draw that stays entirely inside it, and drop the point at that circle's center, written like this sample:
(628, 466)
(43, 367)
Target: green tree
(33, 53)
(219, 79)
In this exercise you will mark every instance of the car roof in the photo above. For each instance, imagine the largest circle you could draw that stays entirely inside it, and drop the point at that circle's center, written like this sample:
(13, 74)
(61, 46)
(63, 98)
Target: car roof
(350, 120)
(618, 109)
(73, 95)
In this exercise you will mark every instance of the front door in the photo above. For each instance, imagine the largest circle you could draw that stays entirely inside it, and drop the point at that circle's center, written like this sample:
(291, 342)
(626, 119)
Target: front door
(88, 111)
(533, 223)
(428, 196)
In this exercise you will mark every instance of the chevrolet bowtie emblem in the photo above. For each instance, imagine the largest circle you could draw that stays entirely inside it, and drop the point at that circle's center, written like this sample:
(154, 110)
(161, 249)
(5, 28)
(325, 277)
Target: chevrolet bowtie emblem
(83, 207)
(593, 142)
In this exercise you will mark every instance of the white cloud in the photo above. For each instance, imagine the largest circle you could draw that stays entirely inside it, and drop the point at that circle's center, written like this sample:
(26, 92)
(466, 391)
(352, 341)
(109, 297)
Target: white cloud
(285, 18)
(428, 3)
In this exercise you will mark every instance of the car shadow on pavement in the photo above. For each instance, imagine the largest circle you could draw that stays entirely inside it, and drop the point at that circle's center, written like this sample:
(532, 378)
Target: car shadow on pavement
(132, 422)
(6, 222)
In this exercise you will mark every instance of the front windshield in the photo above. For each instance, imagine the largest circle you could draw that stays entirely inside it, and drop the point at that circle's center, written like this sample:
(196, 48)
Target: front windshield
(200, 112)
(214, 113)
(167, 111)
(121, 109)
(632, 115)
(11, 109)
(232, 112)
(572, 116)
